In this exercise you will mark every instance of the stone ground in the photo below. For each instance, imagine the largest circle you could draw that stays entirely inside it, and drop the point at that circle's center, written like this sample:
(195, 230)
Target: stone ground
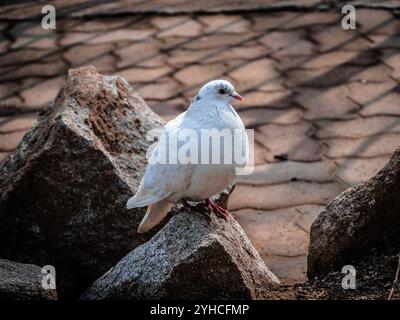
(324, 102)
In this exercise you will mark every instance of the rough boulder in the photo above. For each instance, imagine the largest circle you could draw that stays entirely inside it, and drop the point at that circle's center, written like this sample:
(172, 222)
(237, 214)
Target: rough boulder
(63, 192)
(357, 221)
(189, 258)
(20, 281)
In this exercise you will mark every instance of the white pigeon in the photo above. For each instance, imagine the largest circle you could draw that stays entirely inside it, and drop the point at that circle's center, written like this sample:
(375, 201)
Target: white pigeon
(164, 184)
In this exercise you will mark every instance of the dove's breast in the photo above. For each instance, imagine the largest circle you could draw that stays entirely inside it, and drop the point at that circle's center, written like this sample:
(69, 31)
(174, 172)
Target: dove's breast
(221, 123)
(208, 180)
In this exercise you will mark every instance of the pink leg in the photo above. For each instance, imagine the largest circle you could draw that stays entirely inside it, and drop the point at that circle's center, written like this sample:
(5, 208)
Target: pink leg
(218, 211)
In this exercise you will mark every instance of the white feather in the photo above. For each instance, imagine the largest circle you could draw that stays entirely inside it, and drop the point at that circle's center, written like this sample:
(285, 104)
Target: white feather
(173, 182)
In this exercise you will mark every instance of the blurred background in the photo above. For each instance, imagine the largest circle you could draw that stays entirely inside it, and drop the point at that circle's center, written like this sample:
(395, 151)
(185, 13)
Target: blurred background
(324, 101)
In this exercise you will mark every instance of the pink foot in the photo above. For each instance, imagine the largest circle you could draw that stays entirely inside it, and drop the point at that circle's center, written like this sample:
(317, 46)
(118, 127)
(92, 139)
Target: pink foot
(218, 211)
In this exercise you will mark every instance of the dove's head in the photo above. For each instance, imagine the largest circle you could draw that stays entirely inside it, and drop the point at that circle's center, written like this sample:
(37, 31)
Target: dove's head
(220, 90)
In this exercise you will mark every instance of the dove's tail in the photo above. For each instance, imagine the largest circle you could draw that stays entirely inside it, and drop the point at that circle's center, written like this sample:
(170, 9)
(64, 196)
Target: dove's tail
(155, 214)
(141, 201)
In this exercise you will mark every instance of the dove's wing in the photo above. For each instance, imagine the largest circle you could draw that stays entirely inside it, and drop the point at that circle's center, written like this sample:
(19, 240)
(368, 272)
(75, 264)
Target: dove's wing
(163, 180)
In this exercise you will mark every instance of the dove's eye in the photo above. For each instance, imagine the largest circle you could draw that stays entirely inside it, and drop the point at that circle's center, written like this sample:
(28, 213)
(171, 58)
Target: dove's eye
(222, 91)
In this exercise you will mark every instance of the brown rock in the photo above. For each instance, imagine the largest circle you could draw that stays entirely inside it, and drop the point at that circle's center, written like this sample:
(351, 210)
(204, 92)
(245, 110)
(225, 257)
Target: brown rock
(276, 196)
(307, 19)
(329, 103)
(26, 55)
(190, 258)
(372, 96)
(380, 21)
(328, 77)
(281, 237)
(4, 44)
(215, 40)
(258, 116)
(168, 109)
(28, 28)
(289, 62)
(358, 128)
(278, 99)
(289, 43)
(254, 74)
(294, 142)
(392, 59)
(165, 88)
(144, 54)
(372, 146)
(275, 20)
(307, 215)
(181, 57)
(356, 221)
(354, 171)
(338, 39)
(224, 23)
(46, 42)
(135, 75)
(286, 171)
(260, 154)
(8, 96)
(122, 34)
(84, 54)
(378, 73)
(179, 26)
(274, 232)
(197, 75)
(385, 105)
(39, 93)
(245, 53)
(390, 41)
(290, 269)
(104, 64)
(93, 24)
(10, 140)
(3, 157)
(37, 69)
(337, 57)
(64, 190)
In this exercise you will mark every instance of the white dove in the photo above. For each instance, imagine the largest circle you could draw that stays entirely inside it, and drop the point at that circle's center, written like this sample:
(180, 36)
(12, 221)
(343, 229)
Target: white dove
(163, 184)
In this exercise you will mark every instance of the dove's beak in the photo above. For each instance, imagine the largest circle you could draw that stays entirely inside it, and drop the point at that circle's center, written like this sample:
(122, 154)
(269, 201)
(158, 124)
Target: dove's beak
(237, 96)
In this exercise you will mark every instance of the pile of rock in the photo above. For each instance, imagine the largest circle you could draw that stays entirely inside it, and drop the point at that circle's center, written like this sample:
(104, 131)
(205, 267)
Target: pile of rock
(62, 203)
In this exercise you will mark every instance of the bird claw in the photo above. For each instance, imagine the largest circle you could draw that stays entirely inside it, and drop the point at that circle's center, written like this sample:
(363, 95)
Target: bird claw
(207, 208)
(218, 210)
(201, 208)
